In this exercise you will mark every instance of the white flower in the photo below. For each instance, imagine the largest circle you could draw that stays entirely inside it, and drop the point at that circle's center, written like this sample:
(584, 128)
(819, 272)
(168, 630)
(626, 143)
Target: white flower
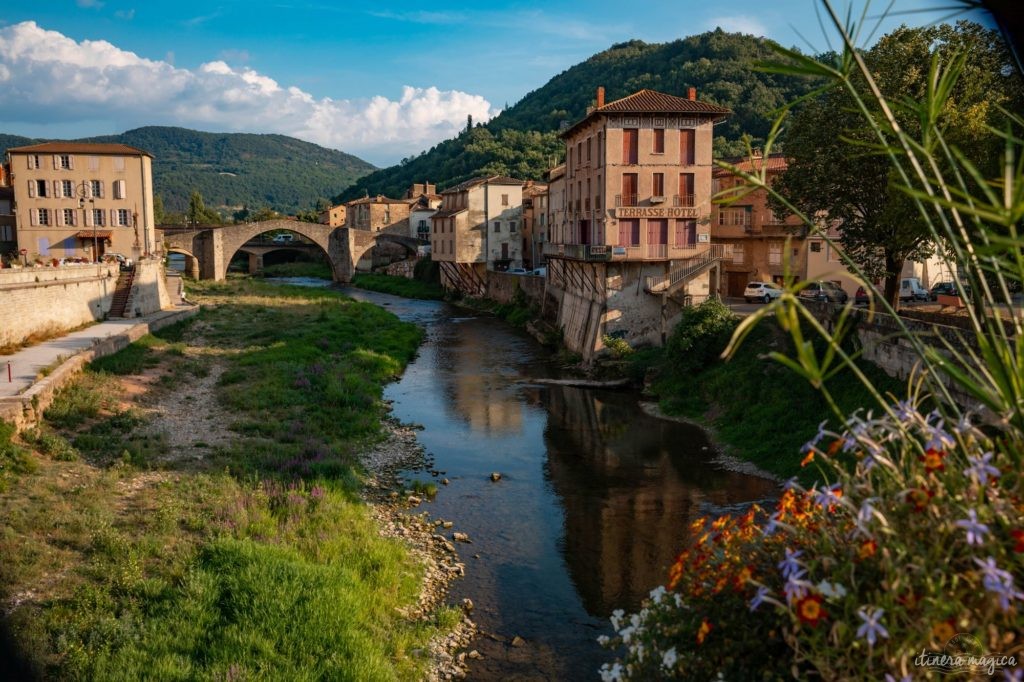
(611, 673)
(679, 600)
(657, 594)
(831, 590)
(616, 618)
(627, 634)
(603, 640)
(668, 660)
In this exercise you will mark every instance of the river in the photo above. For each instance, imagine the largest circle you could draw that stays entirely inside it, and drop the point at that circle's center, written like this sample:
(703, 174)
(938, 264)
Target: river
(594, 501)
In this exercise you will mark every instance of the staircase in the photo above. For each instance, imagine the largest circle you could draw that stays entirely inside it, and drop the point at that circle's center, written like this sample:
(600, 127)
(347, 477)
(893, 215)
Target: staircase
(690, 268)
(122, 292)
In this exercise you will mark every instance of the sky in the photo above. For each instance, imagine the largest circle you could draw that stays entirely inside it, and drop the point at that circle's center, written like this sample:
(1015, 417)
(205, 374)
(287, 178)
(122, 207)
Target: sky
(381, 80)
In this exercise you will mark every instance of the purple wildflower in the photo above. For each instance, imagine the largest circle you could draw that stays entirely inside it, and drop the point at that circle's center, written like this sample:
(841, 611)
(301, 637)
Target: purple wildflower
(998, 581)
(975, 531)
(871, 628)
(790, 566)
(981, 469)
(758, 599)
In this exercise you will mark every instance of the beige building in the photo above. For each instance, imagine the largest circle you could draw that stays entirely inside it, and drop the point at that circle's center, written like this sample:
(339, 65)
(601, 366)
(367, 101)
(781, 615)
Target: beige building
(334, 216)
(635, 246)
(535, 221)
(423, 202)
(478, 228)
(377, 213)
(755, 237)
(70, 196)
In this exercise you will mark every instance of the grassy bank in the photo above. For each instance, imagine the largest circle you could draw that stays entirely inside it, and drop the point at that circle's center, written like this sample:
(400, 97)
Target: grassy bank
(757, 407)
(399, 286)
(299, 269)
(142, 540)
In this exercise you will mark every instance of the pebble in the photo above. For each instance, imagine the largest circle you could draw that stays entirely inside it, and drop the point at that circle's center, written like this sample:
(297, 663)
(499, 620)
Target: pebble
(447, 524)
(461, 537)
(474, 654)
(518, 641)
(467, 604)
(444, 481)
(413, 500)
(495, 476)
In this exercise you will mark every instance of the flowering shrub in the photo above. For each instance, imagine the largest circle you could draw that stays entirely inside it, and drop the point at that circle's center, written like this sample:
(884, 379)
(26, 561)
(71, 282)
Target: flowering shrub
(916, 538)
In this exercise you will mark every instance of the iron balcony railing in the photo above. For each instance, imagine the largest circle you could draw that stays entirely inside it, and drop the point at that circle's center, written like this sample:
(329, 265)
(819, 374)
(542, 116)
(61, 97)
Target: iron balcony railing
(587, 252)
(683, 200)
(625, 200)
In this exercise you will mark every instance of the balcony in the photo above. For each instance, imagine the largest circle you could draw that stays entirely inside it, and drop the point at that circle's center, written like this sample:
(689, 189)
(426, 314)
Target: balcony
(633, 253)
(683, 200)
(585, 252)
(625, 200)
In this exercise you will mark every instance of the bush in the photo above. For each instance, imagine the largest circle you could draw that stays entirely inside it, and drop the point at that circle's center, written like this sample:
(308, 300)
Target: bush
(700, 337)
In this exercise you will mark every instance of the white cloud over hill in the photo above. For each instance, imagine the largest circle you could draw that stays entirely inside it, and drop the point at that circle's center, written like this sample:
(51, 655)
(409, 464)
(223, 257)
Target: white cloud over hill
(48, 78)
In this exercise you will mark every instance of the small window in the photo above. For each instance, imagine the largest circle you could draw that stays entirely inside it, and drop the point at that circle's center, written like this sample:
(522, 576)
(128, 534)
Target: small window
(97, 217)
(94, 163)
(96, 188)
(497, 226)
(34, 162)
(41, 190)
(68, 188)
(659, 141)
(504, 200)
(658, 189)
(123, 218)
(816, 247)
(119, 189)
(119, 163)
(44, 216)
(65, 162)
(512, 226)
(69, 216)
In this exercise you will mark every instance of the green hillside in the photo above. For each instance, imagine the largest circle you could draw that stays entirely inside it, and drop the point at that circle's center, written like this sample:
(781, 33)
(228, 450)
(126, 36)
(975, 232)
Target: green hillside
(236, 169)
(522, 141)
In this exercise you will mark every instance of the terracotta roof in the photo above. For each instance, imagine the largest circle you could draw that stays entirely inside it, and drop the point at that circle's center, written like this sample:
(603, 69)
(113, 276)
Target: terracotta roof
(492, 180)
(653, 102)
(88, 234)
(447, 213)
(79, 148)
(774, 162)
(379, 199)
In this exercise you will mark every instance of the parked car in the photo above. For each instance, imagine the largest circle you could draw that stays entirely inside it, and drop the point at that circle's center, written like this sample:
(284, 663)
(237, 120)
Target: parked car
(761, 291)
(284, 238)
(861, 297)
(945, 288)
(517, 271)
(541, 271)
(825, 291)
(911, 290)
(123, 261)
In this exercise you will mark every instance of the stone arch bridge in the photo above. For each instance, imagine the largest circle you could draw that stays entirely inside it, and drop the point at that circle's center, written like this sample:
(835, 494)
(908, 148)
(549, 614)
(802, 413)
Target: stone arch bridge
(210, 248)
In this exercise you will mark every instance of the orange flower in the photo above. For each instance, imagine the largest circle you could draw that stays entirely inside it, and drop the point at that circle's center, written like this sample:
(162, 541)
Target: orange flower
(808, 459)
(932, 459)
(702, 632)
(833, 448)
(919, 497)
(943, 631)
(742, 577)
(809, 610)
(1018, 535)
(867, 549)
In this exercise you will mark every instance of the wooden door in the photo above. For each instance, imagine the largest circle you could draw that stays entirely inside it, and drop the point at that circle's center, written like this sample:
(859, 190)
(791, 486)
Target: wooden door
(737, 282)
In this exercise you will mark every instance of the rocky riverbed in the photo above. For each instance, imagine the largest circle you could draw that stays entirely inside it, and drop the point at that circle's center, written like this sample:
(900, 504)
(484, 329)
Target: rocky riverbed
(431, 541)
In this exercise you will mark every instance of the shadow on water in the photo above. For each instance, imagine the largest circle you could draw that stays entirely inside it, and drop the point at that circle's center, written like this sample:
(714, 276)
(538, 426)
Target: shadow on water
(595, 499)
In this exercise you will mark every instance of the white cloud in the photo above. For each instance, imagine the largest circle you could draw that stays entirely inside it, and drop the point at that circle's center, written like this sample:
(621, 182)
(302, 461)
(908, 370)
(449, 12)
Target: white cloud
(738, 23)
(126, 14)
(93, 4)
(47, 78)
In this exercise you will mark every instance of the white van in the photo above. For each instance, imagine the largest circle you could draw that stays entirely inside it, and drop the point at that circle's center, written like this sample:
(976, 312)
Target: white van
(285, 238)
(911, 289)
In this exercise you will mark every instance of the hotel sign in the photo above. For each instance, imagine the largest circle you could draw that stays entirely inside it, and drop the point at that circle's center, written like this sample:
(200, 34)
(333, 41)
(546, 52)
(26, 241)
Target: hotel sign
(655, 212)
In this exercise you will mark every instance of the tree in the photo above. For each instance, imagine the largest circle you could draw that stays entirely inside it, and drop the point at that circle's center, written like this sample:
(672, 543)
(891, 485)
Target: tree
(835, 165)
(159, 214)
(198, 214)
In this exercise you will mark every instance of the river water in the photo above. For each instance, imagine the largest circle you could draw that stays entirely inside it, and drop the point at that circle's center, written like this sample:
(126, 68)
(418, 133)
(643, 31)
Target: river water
(594, 501)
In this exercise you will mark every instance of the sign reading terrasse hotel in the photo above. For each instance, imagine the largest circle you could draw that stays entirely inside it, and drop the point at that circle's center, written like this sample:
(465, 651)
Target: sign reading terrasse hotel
(654, 212)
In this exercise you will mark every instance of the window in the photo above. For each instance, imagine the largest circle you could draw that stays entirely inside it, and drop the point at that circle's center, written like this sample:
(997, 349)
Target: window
(120, 190)
(123, 218)
(686, 232)
(600, 147)
(659, 141)
(833, 254)
(497, 226)
(512, 226)
(44, 217)
(69, 216)
(68, 188)
(658, 185)
(629, 232)
(629, 185)
(6, 233)
(40, 188)
(504, 200)
(737, 253)
(96, 188)
(686, 191)
(97, 217)
(775, 253)
(119, 163)
(686, 147)
(94, 163)
(64, 161)
(815, 247)
(579, 153)
(630, 138)
(589, 142)
(33, 162)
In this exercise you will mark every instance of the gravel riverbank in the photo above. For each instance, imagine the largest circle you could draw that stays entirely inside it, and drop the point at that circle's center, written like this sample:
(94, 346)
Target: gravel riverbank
(429, 540)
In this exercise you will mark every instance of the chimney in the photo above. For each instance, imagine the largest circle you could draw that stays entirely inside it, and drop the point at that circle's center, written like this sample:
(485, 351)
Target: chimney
(691, 94)
(600, 96)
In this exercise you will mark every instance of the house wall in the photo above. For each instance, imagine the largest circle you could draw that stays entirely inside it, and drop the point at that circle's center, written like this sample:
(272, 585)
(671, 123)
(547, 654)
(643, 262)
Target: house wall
(57, 239)
(149, 289)
(509, 219)
(39, 300)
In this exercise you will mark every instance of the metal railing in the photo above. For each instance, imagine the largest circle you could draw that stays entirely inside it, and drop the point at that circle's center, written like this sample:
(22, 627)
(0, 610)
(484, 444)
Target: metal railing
(588, 252)
(683, 200)
(625, 200)
(690, 268)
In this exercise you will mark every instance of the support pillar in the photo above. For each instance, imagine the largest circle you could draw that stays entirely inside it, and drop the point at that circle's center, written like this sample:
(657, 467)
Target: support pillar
(255, 263)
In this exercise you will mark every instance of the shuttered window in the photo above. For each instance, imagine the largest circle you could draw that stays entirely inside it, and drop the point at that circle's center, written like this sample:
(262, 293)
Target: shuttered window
(630, 145)
(67, 188)
(119, 163)
(97, 217)
(123, 218)
(70, 216)
(120, 191)
(686, 147)
(43, 216)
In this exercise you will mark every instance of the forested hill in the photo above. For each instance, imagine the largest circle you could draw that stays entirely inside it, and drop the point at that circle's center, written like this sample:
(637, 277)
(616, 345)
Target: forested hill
(235, 169)
(522, 140)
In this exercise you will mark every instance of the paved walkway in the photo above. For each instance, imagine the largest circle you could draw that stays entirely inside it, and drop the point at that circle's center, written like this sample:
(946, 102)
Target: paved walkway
(26, 364)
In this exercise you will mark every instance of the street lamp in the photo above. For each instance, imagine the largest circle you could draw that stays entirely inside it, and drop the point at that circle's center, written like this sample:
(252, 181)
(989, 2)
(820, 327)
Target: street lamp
(83, 194)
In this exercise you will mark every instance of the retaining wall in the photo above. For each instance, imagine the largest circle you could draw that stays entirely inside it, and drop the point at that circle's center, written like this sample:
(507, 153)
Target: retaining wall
(48, 299)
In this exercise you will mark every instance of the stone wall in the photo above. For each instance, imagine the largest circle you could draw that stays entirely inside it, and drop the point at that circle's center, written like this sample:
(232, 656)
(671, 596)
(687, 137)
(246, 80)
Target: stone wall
(149, 289)
(501, 287)
(41, 300)
(402, 268)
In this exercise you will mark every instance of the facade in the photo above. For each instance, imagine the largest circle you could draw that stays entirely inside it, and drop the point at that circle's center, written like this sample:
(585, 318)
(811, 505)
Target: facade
(535, 220)
(557, 218)
(635, 245)
(423, 204)
(755, 238)
(334, 216)
(476, 229)
(82, 200)
(377, 213)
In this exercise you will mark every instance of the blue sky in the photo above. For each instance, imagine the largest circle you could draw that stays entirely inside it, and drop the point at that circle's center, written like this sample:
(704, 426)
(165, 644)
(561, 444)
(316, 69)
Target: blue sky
(382, 80)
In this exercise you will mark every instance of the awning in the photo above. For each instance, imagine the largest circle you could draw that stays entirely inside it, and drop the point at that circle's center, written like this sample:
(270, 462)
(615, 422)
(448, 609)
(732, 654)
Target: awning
(99, 234)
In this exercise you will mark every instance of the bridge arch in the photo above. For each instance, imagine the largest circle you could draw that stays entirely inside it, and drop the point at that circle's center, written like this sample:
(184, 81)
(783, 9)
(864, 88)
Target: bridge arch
(361, 248)
(235, 239)
(191, 261)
